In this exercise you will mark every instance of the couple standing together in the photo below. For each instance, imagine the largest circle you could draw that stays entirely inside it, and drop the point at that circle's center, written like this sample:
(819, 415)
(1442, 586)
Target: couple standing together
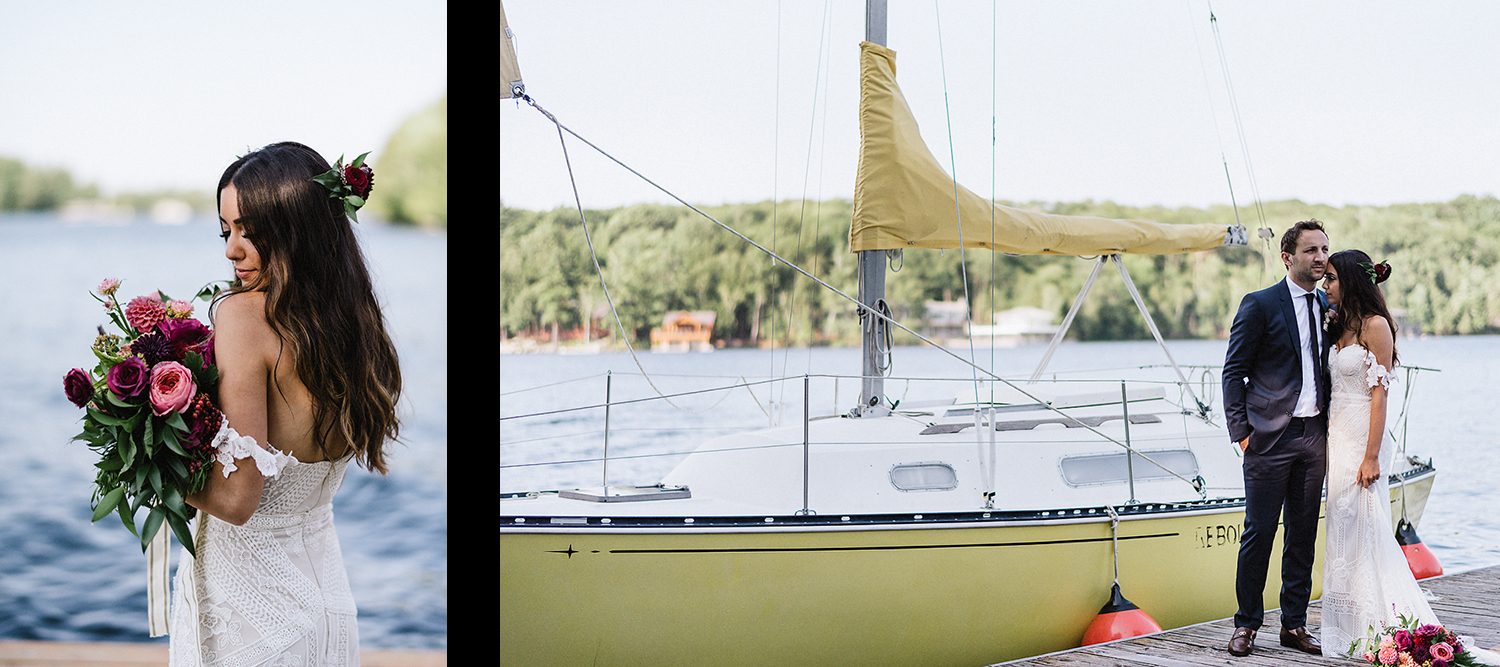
(1306, 376)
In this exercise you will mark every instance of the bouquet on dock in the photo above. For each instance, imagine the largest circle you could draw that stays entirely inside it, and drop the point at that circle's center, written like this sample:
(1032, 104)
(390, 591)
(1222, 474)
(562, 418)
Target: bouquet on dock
(149, 410)
(1408, 643)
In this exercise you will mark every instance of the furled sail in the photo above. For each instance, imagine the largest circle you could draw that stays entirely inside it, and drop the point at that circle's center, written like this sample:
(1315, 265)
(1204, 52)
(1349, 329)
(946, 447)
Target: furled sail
(904, 199)
(510, 69)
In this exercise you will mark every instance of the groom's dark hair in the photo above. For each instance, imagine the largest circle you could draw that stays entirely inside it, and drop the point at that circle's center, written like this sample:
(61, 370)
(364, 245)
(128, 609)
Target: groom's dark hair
(1289, 239)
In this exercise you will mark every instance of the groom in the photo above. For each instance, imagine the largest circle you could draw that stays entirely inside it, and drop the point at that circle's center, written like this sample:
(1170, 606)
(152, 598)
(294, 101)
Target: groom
(1276, 404)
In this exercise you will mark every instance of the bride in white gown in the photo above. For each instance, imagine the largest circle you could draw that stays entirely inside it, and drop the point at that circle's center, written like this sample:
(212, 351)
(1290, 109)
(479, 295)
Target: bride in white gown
(1367, 583)
(309, 382)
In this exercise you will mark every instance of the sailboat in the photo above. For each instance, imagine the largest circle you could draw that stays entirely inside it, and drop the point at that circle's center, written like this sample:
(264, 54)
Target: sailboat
(968, 531)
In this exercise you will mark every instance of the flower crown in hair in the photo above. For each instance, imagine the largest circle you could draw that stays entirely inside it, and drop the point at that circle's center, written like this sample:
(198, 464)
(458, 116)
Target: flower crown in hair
(350, 183)
(1377, 272)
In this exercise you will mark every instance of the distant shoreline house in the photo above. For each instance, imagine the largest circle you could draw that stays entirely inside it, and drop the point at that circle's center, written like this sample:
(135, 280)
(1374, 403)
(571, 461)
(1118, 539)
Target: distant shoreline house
(944, 320)
(1017, 326)
(684, 331)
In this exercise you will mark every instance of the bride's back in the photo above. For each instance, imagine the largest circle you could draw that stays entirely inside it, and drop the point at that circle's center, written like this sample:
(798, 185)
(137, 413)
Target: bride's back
(305, 305)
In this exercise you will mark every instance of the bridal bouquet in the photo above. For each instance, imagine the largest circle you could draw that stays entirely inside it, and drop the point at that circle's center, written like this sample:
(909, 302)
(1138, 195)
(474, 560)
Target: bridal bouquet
(1410, 644)
(149, 411)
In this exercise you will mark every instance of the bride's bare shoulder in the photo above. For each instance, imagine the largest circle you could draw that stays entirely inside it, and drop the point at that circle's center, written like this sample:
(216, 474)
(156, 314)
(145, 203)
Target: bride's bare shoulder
(241, 319)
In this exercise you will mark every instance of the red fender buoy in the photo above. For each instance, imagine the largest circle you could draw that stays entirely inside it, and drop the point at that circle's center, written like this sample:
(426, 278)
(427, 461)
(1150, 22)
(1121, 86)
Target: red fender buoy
(1423, 564)
(1117, 620)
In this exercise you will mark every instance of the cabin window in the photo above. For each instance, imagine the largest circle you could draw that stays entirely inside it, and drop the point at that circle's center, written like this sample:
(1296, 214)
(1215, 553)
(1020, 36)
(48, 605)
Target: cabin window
(1112, 469)
(924, 477)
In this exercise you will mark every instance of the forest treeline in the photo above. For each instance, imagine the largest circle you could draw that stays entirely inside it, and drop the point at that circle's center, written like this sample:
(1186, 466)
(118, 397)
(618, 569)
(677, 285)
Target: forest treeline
(411, 184)
(657, 259)
(25, 188)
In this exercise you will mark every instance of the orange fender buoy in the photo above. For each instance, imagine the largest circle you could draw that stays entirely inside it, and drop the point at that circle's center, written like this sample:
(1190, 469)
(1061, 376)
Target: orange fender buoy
(1117, 620)
(1421, 560)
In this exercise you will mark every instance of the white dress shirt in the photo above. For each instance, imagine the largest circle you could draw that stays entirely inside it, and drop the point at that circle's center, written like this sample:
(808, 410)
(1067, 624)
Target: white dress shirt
(1307, 400)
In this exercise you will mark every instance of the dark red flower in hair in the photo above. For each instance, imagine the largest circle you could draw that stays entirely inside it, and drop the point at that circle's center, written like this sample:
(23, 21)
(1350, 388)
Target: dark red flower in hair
(1382, 271)
(360, 179)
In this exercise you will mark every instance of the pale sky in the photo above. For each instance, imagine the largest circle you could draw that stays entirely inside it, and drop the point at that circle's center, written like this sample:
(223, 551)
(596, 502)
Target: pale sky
(137, 96)
(1373, 102)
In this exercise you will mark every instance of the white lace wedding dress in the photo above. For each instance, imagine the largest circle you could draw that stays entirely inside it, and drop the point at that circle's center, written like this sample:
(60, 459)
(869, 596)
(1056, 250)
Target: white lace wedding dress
(1366, 580)
(274, 591)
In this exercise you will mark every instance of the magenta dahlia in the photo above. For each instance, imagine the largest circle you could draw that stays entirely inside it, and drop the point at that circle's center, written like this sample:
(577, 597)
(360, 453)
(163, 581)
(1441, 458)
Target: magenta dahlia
(145, 312)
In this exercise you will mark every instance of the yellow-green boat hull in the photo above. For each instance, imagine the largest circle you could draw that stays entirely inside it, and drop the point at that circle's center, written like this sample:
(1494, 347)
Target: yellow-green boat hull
(918, 594)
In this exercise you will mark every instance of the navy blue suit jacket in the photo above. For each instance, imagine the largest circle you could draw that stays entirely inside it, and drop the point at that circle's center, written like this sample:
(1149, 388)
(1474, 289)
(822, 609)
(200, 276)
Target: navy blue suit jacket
(1263, 367)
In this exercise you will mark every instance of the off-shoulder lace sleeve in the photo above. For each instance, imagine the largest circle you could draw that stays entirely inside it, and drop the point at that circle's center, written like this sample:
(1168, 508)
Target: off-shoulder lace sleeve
(230, 445)
(1377, 374)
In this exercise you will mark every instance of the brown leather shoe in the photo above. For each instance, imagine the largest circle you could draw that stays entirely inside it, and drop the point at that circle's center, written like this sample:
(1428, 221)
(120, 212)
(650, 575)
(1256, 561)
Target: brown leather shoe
(1302, 641)
(1242, 643)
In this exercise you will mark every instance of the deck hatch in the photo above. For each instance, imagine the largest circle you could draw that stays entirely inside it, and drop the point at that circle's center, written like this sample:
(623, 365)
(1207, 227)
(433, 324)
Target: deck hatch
(927, 476)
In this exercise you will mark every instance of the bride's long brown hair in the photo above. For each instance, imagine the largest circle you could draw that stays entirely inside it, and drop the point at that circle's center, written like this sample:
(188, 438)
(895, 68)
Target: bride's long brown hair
(319, 297)
(1359, 298)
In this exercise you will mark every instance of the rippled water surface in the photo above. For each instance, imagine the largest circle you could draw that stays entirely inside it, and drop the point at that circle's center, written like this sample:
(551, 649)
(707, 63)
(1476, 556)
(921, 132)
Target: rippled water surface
(64, 579)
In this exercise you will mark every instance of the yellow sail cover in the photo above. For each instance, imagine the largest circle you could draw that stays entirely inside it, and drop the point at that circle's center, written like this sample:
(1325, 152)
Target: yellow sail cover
(510, 69)
(904, 199)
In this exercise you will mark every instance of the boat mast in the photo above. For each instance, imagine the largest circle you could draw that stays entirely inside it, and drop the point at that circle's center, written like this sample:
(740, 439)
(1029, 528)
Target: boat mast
(873, 329)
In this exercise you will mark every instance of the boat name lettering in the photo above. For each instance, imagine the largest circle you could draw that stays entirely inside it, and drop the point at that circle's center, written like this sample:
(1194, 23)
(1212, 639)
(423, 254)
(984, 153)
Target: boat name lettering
(1218, 536)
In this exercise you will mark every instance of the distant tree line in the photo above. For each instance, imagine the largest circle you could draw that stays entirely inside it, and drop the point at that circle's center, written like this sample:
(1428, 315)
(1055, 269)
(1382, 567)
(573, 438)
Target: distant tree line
(411, 180)
(24, 188)
(658, 258)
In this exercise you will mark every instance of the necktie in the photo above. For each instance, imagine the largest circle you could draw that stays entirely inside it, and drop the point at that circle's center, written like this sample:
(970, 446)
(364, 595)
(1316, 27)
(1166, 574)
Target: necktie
(1312, 344)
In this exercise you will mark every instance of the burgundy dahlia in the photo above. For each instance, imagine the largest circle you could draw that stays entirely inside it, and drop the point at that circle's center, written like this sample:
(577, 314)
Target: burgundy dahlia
(155, 348)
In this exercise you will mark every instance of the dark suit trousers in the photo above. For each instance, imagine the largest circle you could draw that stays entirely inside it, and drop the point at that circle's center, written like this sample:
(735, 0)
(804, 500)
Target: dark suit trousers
(1289, 477)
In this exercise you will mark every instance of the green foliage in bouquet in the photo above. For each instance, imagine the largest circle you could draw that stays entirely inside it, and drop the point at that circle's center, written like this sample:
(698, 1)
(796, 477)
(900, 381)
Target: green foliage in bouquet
(150, 411)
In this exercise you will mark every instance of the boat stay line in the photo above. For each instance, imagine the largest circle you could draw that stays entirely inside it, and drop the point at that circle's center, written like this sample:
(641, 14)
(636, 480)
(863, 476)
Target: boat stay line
(888, 547)
(858, 304)
(642, 400)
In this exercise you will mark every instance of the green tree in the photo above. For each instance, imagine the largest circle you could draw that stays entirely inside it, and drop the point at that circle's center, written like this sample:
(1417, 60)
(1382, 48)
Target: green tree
(411, 180)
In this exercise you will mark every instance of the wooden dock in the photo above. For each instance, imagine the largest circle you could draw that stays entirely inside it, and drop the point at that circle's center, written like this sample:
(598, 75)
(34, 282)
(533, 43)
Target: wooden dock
(1467, 603)
(17, 653)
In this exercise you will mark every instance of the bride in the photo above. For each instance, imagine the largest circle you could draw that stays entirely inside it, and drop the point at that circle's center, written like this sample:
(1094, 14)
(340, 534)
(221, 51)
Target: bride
(309, 383)
(1366, 580)
(1367, 583)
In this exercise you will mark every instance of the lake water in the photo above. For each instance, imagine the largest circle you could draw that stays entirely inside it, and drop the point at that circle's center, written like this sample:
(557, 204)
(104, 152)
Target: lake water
(64, 579)
(1451, 419)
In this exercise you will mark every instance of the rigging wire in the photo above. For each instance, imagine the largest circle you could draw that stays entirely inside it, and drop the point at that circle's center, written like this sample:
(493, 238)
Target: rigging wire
(994, 131)
(1219, 134)
(775, 178)
(1235, 111)
(963, 265)
(890, 321)
(802, 212)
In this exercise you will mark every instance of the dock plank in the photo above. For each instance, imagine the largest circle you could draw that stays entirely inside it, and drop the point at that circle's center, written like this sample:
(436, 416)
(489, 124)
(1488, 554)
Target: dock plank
(1465, 602)
(25, 653)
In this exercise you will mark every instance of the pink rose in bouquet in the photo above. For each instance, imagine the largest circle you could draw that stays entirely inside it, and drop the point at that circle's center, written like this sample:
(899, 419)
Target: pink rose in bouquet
(172, 388)
(1441, 651)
